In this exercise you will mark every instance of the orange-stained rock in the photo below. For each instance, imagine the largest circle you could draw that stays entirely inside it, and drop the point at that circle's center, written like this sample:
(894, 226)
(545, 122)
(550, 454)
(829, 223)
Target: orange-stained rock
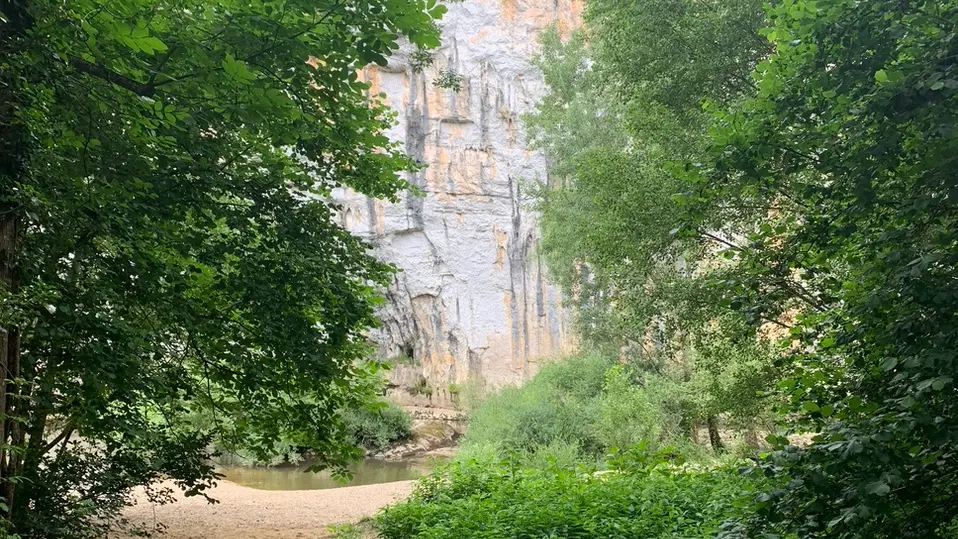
(472, 301)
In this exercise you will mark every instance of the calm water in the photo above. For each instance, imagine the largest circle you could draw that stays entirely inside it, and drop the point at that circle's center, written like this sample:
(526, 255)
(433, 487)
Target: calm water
(365, 472)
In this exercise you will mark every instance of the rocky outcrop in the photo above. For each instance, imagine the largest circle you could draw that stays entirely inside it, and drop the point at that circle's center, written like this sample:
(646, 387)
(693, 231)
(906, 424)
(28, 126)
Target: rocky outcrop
(429, 438)
(472, 301)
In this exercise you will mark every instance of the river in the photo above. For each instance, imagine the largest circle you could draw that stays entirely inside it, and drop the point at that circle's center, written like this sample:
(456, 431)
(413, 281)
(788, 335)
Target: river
(295, 477)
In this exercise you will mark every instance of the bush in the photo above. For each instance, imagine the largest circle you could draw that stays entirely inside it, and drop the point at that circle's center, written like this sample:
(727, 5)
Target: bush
(587, 404)
(628, 412)
(559, 405)
(376, 429)
(500, 500)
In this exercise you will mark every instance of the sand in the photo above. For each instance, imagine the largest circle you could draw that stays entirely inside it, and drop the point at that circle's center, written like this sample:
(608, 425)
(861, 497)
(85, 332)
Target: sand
(246, 513)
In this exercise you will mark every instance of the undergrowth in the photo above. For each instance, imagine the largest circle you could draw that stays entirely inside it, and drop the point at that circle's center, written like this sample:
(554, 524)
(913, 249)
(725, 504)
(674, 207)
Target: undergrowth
(639, 494)
(582, 406)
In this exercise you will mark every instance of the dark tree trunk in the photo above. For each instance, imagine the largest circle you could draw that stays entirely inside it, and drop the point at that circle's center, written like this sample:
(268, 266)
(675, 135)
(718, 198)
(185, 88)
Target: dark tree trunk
(11, 434)
(30, 467)
(714, 437)
(14, 149)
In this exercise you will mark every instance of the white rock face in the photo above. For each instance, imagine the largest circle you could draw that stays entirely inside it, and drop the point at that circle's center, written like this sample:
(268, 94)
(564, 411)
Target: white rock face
(472, 301)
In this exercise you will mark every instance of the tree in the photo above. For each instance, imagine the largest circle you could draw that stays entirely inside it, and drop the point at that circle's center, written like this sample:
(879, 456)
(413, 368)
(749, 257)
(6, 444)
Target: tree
(838, 181)
(167, 247)
(625, 101)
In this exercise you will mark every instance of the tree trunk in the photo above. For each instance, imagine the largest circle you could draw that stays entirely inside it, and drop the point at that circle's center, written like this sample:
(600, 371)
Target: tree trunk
(10, 431)
(31, 465)
(14, 150)
(714, 437)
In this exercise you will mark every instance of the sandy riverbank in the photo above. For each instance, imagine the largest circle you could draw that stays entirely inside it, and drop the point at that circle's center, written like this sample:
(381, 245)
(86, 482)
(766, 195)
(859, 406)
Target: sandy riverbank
(246, 513)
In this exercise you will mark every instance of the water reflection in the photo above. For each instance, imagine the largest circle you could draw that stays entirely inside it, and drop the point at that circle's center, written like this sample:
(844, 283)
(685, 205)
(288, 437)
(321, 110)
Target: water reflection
(365, 472)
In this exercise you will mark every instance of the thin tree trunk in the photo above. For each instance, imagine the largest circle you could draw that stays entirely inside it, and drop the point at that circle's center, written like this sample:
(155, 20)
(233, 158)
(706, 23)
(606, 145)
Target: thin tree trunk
(14, 151)
(10, 366)
(3, 402)
(35, 448)
(714, 437)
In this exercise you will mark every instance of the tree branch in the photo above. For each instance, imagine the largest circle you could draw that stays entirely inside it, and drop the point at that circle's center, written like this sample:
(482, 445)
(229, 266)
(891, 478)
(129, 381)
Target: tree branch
(720, 240)
(138, 88)
(64, 434)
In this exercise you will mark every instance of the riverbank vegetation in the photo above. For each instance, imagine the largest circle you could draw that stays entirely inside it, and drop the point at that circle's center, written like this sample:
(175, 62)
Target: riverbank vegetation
(642, 498)
(371, 427)
(753, 209)
(587, 448)
(584, 406)
(378, 425)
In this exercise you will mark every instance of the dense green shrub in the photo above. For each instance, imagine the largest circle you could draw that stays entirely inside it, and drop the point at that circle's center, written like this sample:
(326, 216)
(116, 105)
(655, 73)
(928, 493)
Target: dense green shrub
(500, 500)
(586, 404)
(559, 405)
(379, 427)
(631, 413)
(579, 451)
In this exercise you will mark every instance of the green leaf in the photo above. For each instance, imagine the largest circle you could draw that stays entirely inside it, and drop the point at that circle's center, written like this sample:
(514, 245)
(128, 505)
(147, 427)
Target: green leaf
(151, 45)
(681, 199)
(810, 406)
(879, 488)
(855, 403)
(776, 440)
(237, 70)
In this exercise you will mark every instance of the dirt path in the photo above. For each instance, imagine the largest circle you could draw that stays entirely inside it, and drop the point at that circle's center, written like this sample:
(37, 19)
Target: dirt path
(246, 513)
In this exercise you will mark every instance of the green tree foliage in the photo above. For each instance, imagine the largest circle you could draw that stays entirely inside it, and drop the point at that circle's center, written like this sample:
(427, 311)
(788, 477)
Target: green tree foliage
(835, 187)
(165, 241)
(625, 100)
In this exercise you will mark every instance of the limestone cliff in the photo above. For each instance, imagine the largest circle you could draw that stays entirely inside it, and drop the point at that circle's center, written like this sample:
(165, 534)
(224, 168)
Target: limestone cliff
(472, 300)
